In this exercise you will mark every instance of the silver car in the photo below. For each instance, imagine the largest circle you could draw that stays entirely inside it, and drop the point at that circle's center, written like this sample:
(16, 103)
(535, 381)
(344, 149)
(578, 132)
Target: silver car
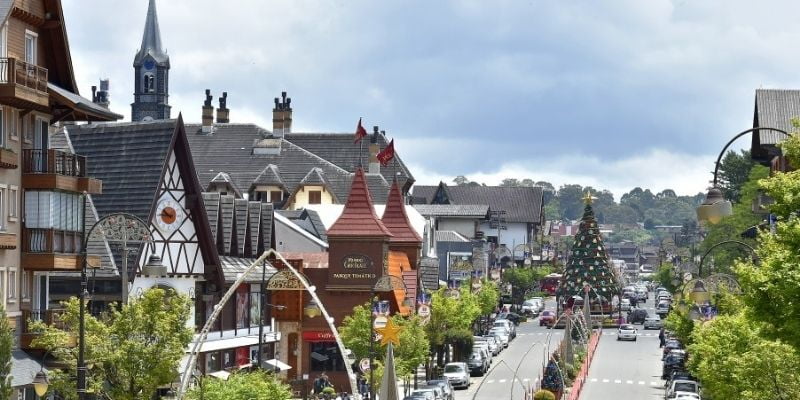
(457, 373)
(627, 332)
(653, 323)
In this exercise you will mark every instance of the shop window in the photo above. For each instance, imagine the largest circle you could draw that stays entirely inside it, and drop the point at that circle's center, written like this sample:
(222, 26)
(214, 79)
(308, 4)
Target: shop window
(325, 357)
(212, 362)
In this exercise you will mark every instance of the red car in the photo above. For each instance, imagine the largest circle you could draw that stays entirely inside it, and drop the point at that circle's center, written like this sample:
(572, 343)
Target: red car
(547, 318)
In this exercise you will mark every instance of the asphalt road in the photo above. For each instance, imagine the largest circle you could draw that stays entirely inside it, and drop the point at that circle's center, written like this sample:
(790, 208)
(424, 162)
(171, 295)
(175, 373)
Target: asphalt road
(626, 370)
(524, 355)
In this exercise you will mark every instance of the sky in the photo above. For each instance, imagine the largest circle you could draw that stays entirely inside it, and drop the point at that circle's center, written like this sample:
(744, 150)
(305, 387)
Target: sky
(612, 94)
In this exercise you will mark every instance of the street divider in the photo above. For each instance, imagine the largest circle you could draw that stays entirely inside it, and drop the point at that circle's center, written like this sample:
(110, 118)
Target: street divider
(580, 378)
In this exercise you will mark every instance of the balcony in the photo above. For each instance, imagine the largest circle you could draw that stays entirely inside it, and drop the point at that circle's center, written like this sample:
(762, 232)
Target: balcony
(23, 85)
(50, 317)
(54, 169)
(8, 159)
(53, 250)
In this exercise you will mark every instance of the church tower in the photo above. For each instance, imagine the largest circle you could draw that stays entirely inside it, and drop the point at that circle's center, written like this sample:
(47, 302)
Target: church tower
(151, 74)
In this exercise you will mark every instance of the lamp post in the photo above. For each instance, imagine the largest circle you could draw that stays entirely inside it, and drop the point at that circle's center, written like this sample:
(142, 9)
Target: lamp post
(715, 207)
(385, 283)
(40, 382)
(118, 227)
(724, 242)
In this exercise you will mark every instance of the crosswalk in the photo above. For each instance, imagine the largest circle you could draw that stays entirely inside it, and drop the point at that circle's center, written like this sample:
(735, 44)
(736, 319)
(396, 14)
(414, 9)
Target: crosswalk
(645, 334)
(625, 382)
(506, 380)
(540, 333)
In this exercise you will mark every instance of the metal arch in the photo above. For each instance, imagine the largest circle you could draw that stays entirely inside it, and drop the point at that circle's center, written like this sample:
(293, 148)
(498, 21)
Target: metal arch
(740, 134)
(286, 280)
(738, 242)
(120, 227)
(387, 283)
(729, 282)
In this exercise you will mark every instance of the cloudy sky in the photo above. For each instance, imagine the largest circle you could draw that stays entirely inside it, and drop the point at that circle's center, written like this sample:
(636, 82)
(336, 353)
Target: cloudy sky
(613, 94)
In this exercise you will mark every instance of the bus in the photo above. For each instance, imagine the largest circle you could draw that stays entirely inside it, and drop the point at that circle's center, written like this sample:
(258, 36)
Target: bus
(549, 283)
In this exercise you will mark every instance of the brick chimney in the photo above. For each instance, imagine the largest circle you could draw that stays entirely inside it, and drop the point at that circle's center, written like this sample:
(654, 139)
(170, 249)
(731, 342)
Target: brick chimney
(223, 114)
(374, 149)
(282, 116)
(208, 114)
(101, 97)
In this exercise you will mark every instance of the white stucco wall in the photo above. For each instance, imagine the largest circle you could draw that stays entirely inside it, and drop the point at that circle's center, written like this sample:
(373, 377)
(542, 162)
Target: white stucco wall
(515, 233)
(184, 286)
(463, 226)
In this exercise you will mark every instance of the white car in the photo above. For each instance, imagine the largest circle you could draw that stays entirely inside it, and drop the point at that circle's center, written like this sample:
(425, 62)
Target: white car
(653, 322)
(502, 334)
(494, 346)
(627, 332)
(625, 305)
(682, 387)
(530, 307)
(457, 373)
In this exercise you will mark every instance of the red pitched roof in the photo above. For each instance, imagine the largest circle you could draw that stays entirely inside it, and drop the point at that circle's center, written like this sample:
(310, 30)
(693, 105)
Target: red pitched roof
(358, 217)
(396, 219)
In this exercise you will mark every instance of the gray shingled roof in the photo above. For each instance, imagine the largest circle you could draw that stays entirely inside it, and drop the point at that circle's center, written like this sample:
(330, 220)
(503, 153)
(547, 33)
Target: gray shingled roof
(314, 177)
(521, 204)
(450, 236)
(128, 158)
(339, 149)
(230, 150)
(269, 176)
(775, 108)
(453, 210)
(307, 219)
(233, 266)
(23, 368)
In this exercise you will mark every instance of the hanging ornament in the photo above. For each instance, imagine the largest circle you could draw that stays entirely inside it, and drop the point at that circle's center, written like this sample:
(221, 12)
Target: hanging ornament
(591, 268)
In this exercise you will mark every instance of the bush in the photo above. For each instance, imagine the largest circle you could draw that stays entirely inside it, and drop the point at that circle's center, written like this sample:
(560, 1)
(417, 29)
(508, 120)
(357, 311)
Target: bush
(544, 395)
(571, 372)
(328, 390)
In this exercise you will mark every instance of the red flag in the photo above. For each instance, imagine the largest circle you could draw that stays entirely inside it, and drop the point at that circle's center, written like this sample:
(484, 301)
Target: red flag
(386, 154)
(360, 132)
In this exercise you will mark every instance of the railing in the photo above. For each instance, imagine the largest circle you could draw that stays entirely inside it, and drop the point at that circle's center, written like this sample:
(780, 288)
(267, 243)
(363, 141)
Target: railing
(49, 317)
(13, 71)
(50, 241)
(52, 161)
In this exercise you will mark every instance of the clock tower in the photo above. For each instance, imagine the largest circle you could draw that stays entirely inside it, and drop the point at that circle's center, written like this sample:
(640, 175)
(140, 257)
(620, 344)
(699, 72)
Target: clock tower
(151, 74)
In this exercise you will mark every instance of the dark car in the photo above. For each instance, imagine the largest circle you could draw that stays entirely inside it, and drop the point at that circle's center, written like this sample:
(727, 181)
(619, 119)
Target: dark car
(671, 363)
(678, 374)
(670, 345)
(547, 318)
(637, 316)
(513, 317)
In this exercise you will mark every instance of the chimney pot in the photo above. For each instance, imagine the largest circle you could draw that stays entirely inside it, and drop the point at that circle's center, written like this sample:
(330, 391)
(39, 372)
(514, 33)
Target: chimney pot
(208, 114)
(282, 116)
(223, 114)
(94, 95)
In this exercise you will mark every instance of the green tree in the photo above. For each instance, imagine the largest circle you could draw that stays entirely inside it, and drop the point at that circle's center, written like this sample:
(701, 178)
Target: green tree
(134, 348)
(488, 297)
(734, 171)
(461, 180)
(510, 182)
(569, 201)
(6, 344)
(256, 385)
(664, 276)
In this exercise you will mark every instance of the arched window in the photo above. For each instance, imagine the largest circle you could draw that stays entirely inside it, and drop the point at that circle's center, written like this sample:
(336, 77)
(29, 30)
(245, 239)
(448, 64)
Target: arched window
(149, 83)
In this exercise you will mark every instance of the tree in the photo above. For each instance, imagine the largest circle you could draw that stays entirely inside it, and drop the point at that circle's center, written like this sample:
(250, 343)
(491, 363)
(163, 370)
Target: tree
(256, 385)
(510, 182)
(6, 344)
(488, 297)
(664, 276)
(523, 281)
(734, 171)
(134, 348)
(569, 201)
(460, 180)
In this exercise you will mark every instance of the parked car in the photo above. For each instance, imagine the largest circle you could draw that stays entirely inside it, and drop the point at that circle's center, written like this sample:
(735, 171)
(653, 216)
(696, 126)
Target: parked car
(483, 347)
(530, 307)
(428, 393)
(510, 316)
(444, 384)
(653, 322)
(682, 386)
(547, 318)
(677, 374)
(478, 365)
(494, 345)
(637, 316)
(676, 360)
(501, 334)
(508, 325)
(627, 332)
(663, 307)
(457, 373)
(539, 300)
(625, 305)
(664, 295)
(669, 345)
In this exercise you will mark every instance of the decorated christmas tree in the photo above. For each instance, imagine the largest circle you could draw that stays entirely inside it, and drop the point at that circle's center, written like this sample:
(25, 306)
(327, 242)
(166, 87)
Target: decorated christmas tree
(552, 379)
(588, 263)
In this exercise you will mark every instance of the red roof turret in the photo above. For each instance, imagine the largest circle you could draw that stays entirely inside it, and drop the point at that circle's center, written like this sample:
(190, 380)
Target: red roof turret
(358, 217)
(396, 219)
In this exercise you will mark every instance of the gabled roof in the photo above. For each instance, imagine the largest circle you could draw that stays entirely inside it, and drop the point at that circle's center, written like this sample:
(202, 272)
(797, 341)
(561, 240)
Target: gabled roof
(314, 177)
(308, 220)
(396, 220)
(80, 108)
(521, 204)
(270, 176)
(775, 108)
(358, 218)
(151, 38)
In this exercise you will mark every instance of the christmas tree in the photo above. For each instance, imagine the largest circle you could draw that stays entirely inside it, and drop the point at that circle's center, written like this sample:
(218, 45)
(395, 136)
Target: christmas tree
(588, 262)
(552, 379)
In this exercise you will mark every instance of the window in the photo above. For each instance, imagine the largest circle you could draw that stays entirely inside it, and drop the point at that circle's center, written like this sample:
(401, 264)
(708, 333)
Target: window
(2, 208)
(30, 47)
(314, 197)
(2, 127)
(149, 83)
(325, 357)
(13, 195)
(13, 124)
(275, 196)
(4, 40)
(53, 210)
(12, 286)
(2, 284)
(24, 287)
(212, 362)
(26, 126)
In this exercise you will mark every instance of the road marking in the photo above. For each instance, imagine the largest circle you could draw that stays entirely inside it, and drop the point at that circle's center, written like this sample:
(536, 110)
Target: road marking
(617, 380)
(605, 380)
(525, 380)
(490, 381)
(641, 382)
(594, 379)
(502, 381)
(653, 383)
(629, 382)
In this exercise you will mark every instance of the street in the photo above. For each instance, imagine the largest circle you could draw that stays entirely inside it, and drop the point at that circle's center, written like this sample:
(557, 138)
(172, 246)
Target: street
(624, 370)
(527, 348)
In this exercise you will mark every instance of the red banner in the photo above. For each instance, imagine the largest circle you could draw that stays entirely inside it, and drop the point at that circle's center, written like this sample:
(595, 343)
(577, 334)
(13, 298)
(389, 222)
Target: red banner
(242, 356)
(318, 336)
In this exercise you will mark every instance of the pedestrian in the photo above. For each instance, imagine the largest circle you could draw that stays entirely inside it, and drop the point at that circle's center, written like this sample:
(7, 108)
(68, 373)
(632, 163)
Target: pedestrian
(661, 338)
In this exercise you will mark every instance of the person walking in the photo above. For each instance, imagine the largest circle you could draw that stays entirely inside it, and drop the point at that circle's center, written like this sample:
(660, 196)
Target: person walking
(661, 338)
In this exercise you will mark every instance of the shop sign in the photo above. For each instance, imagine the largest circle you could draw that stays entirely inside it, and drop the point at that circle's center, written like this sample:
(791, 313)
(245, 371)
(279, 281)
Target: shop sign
(318, 336)
(356, 261)
(424, 311)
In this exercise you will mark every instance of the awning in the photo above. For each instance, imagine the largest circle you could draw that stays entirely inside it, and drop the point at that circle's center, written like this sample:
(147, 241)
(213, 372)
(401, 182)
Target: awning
(224, 375)
(23, 368)
(221, 344)
(274, 364)
(78, 108)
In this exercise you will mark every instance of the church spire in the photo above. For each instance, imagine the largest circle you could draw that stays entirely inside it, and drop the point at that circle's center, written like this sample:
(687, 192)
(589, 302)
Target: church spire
(151, 39)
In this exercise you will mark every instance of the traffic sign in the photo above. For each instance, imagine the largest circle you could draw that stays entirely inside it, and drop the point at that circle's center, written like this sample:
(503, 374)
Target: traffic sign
(364, 364)
(424, 311)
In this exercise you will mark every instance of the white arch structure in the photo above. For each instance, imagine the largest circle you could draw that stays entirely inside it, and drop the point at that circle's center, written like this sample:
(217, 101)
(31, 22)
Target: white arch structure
(186, 378)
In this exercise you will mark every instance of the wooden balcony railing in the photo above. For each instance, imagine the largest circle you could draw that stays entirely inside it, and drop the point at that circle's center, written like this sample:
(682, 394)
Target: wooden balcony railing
(18, 72)
(50, 241)
(49, 317)
(50, 161)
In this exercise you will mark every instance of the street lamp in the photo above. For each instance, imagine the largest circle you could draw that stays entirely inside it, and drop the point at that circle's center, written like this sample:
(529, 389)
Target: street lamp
(119, 227)
(715, 207)
(699, 293)
(312, 309)
(724, 242)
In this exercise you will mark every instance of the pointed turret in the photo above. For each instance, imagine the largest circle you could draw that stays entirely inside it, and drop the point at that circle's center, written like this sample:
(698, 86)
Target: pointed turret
(151, 39)
(396, 219)
(358, 218)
